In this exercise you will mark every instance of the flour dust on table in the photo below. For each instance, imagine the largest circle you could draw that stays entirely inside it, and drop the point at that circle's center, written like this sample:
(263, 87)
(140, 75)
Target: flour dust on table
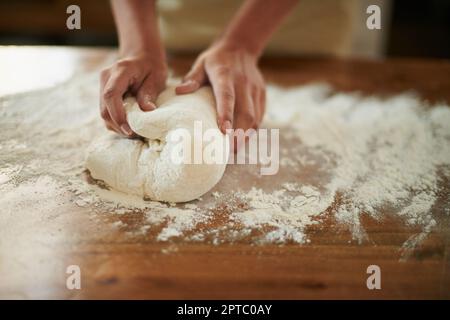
(344, 157)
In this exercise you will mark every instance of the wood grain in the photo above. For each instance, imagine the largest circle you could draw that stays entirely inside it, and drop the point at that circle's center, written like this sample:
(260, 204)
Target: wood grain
(115, 266)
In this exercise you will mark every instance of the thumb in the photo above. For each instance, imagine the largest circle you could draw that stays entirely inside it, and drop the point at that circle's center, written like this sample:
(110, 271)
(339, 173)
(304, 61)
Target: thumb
(192, 81)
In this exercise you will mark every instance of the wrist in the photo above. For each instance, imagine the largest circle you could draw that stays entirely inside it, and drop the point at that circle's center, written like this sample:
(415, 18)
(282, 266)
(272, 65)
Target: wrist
(147, 59)
(155, 51)
(153, 55)
(235, 45)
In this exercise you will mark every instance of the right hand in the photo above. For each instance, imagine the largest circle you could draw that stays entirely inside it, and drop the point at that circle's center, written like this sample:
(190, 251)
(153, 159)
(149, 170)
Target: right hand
(141, 76)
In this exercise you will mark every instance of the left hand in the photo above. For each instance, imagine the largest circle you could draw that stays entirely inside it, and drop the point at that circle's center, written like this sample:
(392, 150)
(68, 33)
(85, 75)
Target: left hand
(237, 83)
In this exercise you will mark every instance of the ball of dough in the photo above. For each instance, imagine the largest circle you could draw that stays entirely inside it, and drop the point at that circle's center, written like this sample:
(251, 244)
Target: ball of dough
(144, 167)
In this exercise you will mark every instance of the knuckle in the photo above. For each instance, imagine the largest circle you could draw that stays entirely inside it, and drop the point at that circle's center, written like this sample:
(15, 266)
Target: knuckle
(227, 96)
(191, 74)
(223, 70)
(124, 63)
(132, 81)
(104, 113)
(243, 79)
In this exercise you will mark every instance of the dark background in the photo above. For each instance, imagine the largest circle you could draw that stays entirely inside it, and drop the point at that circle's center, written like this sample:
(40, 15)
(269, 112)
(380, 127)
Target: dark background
(419, 28)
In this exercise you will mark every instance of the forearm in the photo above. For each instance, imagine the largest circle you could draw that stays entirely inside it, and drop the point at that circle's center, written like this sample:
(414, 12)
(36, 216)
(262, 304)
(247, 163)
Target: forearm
(137, 27)
(255, 23)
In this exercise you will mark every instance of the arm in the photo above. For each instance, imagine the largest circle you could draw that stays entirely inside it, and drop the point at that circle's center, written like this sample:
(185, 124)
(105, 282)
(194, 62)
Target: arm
(230, 64)
(141, 69)
(255, 23)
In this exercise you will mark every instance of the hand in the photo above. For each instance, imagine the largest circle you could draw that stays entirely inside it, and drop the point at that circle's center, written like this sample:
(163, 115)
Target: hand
(237, 83)
(140, 75)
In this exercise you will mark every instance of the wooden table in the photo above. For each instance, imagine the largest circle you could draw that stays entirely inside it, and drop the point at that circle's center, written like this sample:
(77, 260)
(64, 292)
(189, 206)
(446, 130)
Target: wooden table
(330, 267)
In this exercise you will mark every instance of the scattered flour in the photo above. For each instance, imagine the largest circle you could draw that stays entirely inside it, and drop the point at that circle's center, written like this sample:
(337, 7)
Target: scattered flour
(286, 214)
(343, 155)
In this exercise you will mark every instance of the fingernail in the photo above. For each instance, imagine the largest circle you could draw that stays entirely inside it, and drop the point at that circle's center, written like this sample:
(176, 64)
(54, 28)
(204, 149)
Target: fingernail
(126, 129)
(148, 103)
(226, 126)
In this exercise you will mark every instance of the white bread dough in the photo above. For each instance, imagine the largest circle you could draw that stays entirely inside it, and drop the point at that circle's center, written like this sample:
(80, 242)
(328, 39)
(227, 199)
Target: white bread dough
(144, 167)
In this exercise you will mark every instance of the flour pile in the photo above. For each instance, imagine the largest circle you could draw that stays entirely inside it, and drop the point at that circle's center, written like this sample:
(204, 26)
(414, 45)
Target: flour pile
(391, 153)
(343, 157)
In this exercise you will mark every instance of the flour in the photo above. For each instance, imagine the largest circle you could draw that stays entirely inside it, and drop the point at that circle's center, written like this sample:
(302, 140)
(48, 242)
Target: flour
(387, 151)
(287, 215)
(343, 156)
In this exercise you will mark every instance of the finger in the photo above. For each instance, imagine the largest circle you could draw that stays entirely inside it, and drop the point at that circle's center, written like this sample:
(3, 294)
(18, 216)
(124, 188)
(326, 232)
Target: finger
(107, 119)
(104, 113)
(262, 104)
(147, 94)
(225, 99)
(104, 76)
(193, 80)
(113, 92)
(244, 116)
(256, 106)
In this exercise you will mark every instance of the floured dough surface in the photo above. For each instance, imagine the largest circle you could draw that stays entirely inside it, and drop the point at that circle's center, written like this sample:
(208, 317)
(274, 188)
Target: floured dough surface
(144, 167)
